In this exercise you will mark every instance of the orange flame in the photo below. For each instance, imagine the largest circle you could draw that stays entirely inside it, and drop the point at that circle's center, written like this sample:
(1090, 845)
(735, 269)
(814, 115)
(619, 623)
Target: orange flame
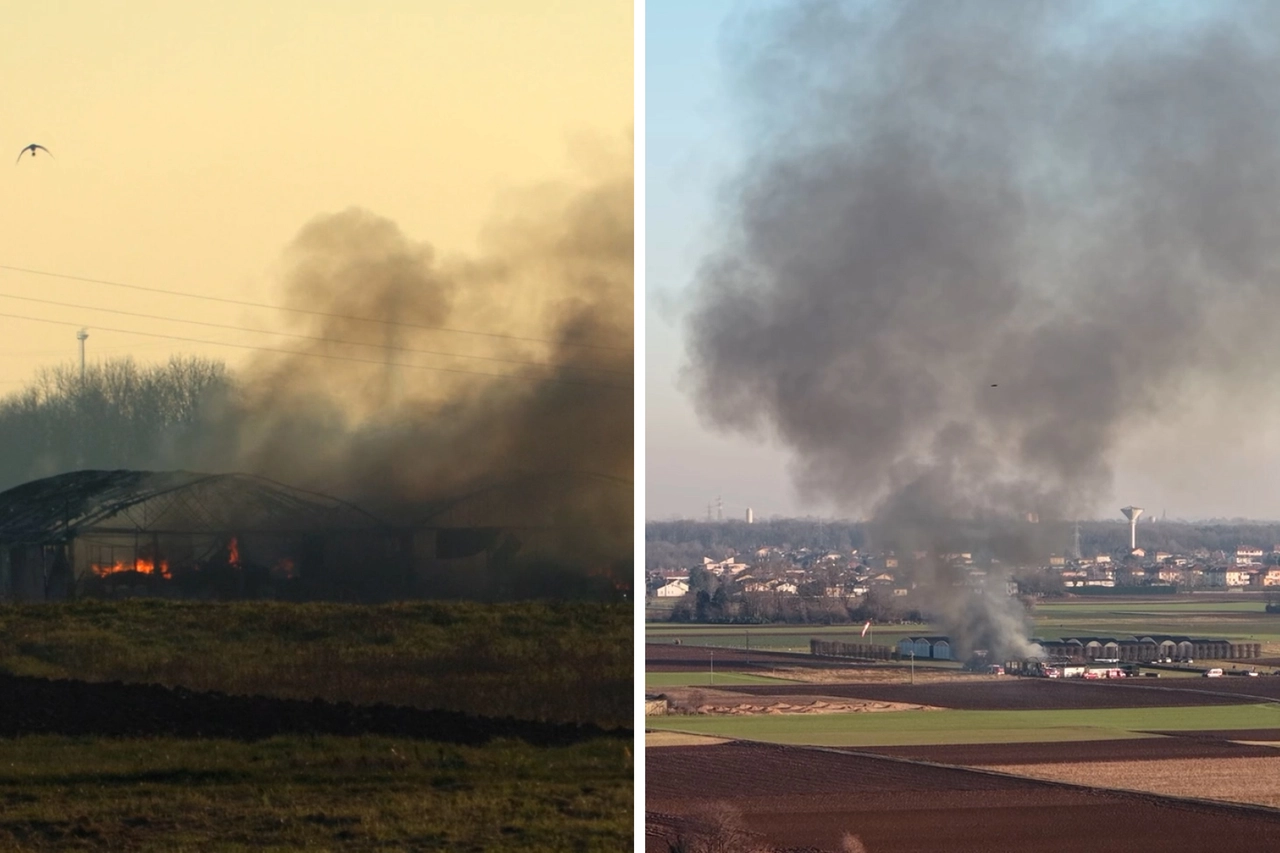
(233, 553)
(600, 572)
(142, 566)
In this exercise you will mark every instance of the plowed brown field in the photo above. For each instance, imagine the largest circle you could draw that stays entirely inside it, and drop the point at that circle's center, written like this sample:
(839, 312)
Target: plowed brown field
(1228, 734)
(1135, 749)
(85, 709)
(1004, 694)
(666, 657)
(1263, 687)
(804, 797)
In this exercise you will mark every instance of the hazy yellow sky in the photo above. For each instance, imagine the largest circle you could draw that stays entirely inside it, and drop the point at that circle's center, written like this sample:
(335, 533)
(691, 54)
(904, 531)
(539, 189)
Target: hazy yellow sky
(193, 142)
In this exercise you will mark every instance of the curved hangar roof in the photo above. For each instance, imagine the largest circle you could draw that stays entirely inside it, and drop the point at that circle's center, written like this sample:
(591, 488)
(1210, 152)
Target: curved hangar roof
(60, 507)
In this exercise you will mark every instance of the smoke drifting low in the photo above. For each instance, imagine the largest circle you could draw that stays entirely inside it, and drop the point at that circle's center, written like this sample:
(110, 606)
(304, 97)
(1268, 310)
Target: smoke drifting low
(976, 245)
(412, 416)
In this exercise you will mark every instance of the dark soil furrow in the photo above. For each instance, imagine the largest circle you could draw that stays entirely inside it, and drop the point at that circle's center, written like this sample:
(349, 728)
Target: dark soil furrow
(43, 706)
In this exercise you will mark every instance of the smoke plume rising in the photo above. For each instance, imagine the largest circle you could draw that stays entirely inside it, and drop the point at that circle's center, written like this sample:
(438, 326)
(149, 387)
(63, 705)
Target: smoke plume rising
(412, 415)
(974, 245)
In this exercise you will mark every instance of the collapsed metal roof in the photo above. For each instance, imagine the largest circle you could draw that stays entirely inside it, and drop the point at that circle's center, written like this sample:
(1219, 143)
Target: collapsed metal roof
(61, 507)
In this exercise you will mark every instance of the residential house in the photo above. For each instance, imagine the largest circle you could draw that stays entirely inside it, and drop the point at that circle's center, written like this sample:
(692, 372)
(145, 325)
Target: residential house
(674, 589)
(1248, 556)
(1237, 577)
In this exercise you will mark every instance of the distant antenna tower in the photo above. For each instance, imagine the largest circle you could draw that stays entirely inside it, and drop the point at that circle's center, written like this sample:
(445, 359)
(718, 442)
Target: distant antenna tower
(719, 508)
(1132, 513)
(82, 336)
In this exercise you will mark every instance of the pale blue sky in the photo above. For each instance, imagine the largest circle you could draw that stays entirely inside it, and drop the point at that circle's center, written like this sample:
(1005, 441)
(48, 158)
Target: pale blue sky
(690, 147)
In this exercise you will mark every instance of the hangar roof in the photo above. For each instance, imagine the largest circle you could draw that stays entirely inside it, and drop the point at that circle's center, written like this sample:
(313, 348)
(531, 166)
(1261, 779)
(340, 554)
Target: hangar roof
(63, 506)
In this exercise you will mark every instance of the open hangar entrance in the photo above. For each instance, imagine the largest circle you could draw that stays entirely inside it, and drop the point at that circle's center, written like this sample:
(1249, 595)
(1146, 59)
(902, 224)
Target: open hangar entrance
(184, 534)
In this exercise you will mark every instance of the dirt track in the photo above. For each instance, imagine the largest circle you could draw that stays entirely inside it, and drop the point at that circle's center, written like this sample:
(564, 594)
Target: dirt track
(667, 657)
(42, 706)
(1237, 780)
(803, 797)
(727, 701)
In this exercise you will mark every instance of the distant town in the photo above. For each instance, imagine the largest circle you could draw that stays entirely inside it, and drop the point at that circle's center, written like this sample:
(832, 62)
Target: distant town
(808, 582)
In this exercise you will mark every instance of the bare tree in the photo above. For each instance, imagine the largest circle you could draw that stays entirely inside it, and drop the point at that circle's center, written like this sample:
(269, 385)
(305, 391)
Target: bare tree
(717, 828)
(117, 415)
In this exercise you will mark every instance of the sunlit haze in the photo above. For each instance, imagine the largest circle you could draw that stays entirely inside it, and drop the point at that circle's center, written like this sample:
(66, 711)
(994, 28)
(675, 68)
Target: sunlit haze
(192, 143)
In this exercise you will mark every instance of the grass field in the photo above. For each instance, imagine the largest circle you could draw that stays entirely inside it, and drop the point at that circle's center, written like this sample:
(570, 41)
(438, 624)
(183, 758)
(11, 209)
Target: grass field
(553, 662)
(311, 793)
(1196, 615)
(561, 662)
(1237, 620)
(906, 728)
(775, 638)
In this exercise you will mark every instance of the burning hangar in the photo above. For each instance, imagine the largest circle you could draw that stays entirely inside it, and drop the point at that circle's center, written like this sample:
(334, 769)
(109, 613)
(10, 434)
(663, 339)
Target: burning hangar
(185, 533)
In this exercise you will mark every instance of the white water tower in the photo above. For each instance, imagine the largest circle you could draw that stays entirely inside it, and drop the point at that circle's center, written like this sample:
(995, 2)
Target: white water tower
(751, 516)
(1132, 513)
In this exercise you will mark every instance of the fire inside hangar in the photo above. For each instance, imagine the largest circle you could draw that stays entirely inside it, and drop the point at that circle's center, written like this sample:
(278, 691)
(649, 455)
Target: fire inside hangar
(214, 535)
(187, 534)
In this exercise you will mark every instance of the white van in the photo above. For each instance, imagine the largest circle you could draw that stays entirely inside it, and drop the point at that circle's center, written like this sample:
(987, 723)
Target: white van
(1216, 672)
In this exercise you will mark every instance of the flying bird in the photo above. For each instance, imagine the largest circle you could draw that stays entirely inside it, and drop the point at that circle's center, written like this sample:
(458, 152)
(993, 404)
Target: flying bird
(32, 148)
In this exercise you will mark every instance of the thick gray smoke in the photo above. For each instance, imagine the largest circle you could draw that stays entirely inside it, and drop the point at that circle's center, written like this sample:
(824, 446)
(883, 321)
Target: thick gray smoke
(409, 420)
(488, 396)
(975, 244)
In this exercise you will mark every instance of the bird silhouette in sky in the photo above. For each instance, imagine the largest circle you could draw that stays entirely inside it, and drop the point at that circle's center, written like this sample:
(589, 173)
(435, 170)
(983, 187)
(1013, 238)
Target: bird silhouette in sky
(32, 148)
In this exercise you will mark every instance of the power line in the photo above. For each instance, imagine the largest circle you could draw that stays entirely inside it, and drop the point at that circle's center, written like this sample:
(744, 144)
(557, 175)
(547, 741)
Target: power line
(307, 310)
(514, 376)
(310, 337)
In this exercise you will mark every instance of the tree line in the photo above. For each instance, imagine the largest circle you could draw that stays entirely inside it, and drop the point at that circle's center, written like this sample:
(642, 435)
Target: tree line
(717, 599)
(119, 414)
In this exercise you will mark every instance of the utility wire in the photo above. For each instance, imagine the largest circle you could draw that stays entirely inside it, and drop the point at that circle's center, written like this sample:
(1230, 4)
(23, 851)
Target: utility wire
(307, 310)
(318, 338)
(513, 376)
